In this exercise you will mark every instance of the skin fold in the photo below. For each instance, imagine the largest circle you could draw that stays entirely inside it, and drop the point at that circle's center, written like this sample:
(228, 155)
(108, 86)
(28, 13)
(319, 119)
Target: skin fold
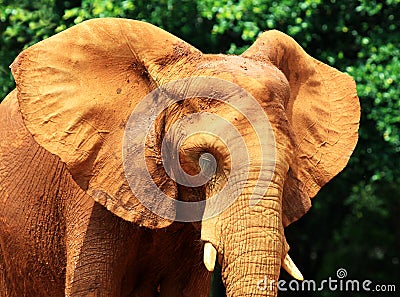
(69, 223)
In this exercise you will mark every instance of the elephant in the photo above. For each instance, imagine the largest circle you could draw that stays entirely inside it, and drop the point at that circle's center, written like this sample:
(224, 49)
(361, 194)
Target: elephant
(72, 224)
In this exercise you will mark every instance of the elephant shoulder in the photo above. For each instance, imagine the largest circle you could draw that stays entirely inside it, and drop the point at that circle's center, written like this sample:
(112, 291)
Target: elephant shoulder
(20, 155)
(12, 128)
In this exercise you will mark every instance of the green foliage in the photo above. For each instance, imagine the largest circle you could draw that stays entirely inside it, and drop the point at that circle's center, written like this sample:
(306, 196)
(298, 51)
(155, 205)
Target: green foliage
(354, 222)
(22, 25)
(376, 79)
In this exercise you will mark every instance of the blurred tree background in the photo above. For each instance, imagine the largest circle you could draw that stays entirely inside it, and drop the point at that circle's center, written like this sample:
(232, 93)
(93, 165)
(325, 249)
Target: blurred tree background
(354, 223)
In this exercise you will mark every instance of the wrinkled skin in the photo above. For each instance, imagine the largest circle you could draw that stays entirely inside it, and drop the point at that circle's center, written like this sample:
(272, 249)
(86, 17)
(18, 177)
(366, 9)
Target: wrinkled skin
(70, 224)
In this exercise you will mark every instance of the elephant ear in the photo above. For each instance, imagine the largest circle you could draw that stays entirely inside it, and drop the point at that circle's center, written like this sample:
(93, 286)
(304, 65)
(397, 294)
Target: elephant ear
(76, 91)
(324, 113)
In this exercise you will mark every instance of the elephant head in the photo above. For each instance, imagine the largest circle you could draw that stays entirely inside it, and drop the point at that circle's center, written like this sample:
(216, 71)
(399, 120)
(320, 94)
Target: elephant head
(78, 89)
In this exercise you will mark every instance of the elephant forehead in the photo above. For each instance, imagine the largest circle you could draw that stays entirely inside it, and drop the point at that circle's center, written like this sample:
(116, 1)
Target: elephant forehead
(213, 60)
(239, 66)
(261, 79)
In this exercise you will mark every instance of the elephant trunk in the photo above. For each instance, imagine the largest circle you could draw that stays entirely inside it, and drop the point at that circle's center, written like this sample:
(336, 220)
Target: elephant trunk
(254, 245)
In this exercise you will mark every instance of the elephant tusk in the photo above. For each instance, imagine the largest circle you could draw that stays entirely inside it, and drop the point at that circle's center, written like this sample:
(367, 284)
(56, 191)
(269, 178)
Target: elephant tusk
(210, 255)
(291, 268)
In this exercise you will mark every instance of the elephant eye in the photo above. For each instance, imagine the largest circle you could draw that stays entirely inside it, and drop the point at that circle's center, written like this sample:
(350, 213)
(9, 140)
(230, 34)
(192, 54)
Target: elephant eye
(208, 164)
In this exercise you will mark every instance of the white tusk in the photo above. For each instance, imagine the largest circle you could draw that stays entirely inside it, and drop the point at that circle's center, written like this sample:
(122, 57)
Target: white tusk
(210, 255)
(291, 268)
